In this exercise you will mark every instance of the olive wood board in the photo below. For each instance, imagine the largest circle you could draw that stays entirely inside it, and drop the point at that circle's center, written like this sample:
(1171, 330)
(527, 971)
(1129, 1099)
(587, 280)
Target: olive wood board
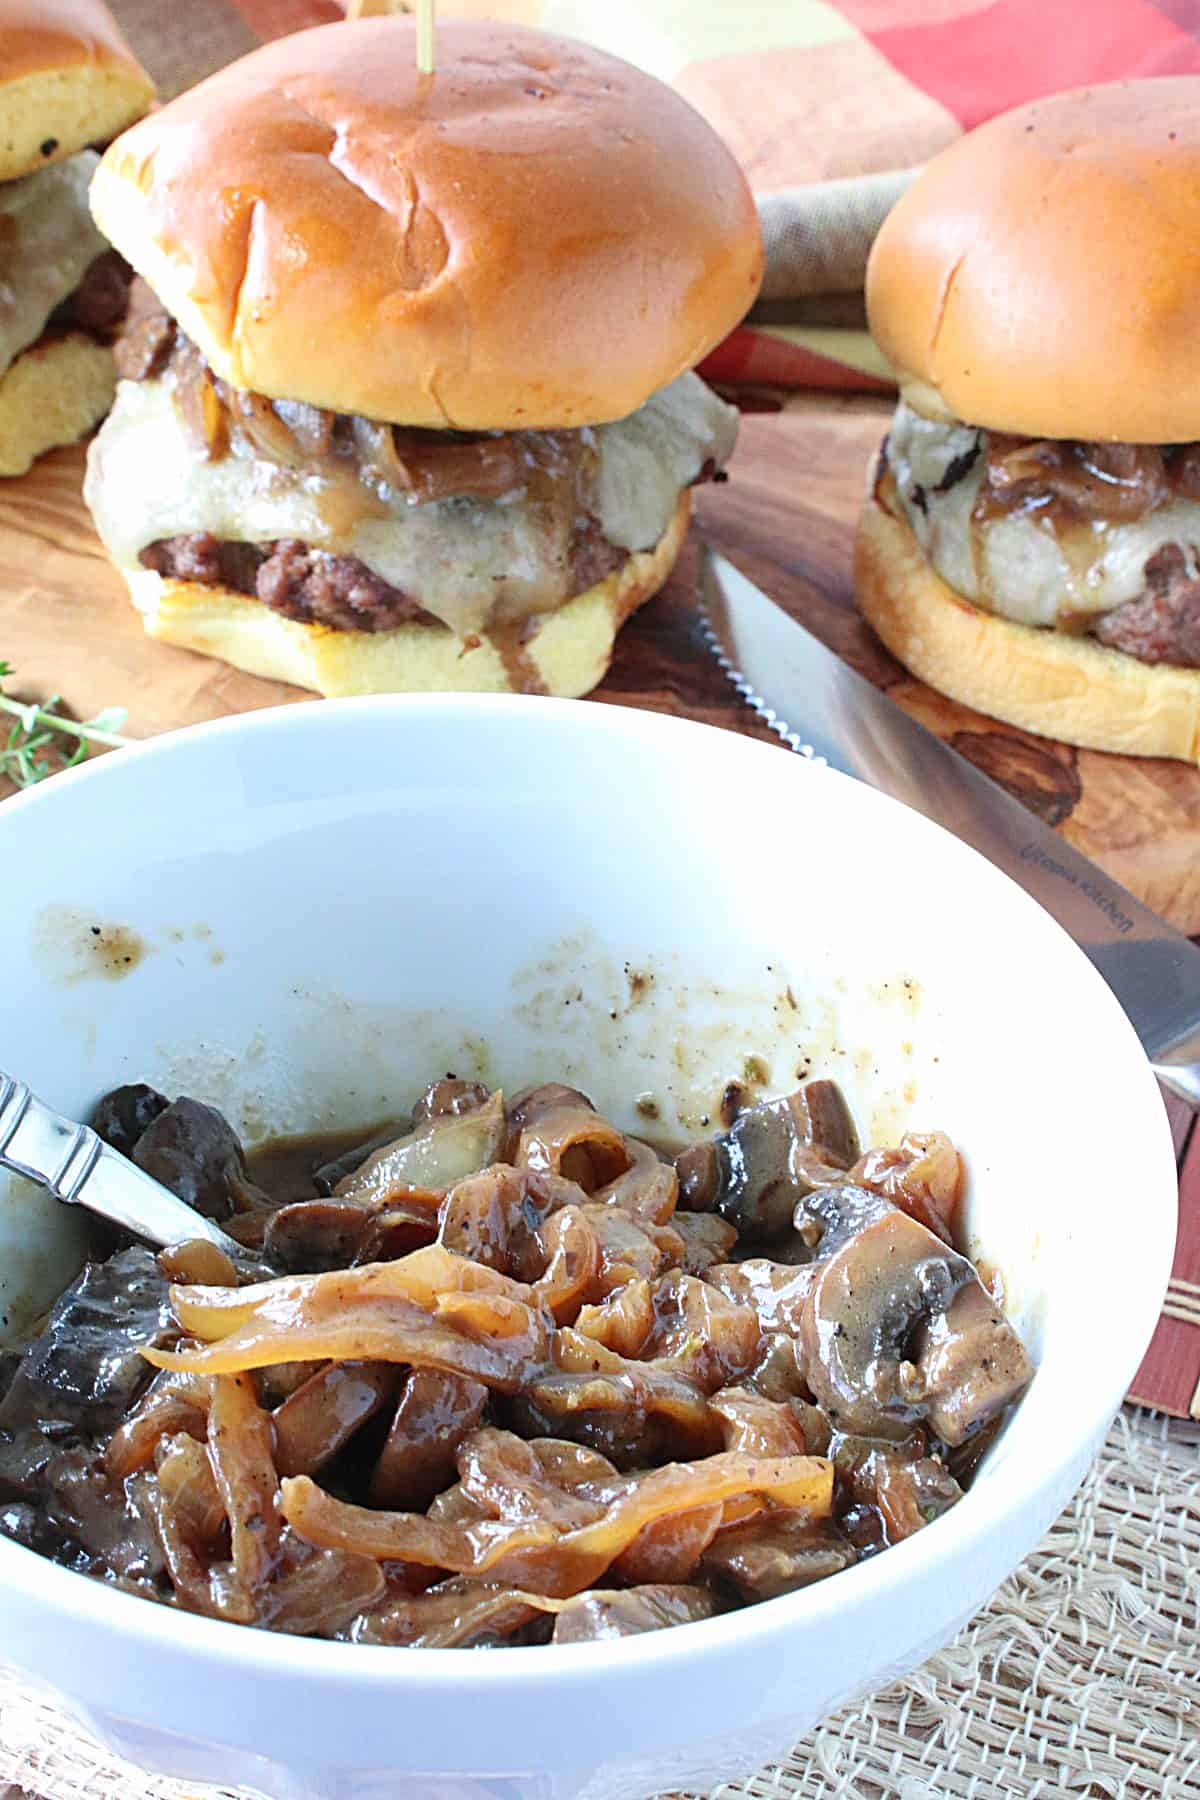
(786, 516)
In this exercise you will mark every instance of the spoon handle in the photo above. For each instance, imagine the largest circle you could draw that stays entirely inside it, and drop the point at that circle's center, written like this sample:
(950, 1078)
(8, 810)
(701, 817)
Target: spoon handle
(80, 1169)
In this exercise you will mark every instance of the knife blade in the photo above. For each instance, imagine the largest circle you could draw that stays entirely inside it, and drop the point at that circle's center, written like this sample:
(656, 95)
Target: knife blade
(830, 713)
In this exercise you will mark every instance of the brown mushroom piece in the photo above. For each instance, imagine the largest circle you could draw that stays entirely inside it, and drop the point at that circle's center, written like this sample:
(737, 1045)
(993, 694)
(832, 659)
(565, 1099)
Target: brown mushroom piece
(122, 1115)
(625, 1612)
(453, 1614)
(883, 1335)
(972, 1363)
(830, 1216)
(312, 1235)
(772, 1156)
(777, 1552)
(191, 1148)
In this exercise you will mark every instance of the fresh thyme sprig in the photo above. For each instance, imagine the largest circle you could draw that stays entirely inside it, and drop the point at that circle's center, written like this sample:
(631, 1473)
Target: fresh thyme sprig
(41, 741)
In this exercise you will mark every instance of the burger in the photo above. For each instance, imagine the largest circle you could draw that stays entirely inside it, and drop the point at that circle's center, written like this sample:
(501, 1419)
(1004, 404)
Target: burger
(1031, 541)
(67, 80)
(406, 397)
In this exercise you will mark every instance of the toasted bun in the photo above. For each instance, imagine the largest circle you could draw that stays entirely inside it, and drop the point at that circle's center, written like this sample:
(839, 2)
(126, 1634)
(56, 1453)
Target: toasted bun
(1047, 682)
(54, 391)
(1042, 276)
(67, 79)
(536, 235)
(567, 654)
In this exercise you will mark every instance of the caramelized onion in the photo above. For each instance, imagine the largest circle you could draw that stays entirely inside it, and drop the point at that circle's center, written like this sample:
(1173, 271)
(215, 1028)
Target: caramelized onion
(923, 1177)
(200, 408)
(438, 1153)
(648, 1190)
(1109, 482)
(255, 419)
(558, 1131)
(456, 1613)
(539, 1557)
(430, 1309)
(241, 1448)
(669, 1549)
(173, 1403)
(423, 1277)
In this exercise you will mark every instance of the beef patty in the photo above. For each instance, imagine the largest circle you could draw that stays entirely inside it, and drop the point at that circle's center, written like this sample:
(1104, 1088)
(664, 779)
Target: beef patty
(318, 588)
(99, 303)
(1163, 624)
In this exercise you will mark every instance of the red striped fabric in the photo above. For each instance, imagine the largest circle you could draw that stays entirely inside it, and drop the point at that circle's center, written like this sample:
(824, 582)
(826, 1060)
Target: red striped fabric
(982, 62)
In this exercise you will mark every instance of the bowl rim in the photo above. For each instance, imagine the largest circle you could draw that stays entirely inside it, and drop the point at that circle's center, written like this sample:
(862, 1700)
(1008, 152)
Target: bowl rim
(1006, 1493)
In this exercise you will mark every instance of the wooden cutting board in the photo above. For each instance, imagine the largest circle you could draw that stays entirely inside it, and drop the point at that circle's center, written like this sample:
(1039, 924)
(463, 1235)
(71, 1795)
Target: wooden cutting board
(786, 516)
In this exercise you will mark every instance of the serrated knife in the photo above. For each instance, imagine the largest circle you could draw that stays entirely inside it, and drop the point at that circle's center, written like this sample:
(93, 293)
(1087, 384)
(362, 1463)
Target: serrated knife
(827, 711)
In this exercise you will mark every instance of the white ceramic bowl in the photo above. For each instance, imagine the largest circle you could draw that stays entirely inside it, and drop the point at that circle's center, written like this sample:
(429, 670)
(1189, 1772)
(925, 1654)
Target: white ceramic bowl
(322, 905)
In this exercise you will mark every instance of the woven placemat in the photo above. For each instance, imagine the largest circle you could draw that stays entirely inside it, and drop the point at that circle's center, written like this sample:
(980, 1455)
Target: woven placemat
(1082, 1677)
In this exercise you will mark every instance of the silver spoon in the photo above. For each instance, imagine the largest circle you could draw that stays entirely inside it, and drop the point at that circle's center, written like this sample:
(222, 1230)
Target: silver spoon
(79, 1168)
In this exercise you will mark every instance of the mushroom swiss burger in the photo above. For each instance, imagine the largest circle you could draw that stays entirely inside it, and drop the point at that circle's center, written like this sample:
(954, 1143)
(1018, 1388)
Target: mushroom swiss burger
(407, 397)
(1031, 544)
(67, 81)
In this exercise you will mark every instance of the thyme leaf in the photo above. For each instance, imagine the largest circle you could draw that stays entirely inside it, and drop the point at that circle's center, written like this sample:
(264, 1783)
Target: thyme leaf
(41, 740)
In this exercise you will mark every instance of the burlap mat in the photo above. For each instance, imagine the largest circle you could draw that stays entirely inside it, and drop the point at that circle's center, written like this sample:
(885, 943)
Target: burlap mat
(1082, 1678)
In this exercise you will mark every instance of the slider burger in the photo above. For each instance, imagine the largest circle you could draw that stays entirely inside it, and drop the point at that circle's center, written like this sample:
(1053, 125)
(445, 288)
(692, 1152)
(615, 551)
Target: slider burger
(67, 80)
(1031, 544)
(407, 400)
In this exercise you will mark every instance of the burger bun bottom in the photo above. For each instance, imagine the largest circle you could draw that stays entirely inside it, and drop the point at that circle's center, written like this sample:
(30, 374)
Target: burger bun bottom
(52, 394)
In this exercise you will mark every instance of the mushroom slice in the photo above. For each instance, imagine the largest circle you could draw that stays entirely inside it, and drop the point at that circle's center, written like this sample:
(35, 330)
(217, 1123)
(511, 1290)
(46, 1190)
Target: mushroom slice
(323, 1414)
(191, 1149)
(770, 1158)
(830, 1216)
(436, 1411)
(649, 1188)
(828, 1128)
(972, 1363)
(897, 1328)
(861, 1315)
(907, 1492)
(457, 1613)
(776, 1552)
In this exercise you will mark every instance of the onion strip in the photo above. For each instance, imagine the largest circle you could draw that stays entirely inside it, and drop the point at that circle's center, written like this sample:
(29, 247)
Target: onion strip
(536, 1556)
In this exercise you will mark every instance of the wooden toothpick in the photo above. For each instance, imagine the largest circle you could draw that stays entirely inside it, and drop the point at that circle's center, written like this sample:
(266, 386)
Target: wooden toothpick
(425, 36)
